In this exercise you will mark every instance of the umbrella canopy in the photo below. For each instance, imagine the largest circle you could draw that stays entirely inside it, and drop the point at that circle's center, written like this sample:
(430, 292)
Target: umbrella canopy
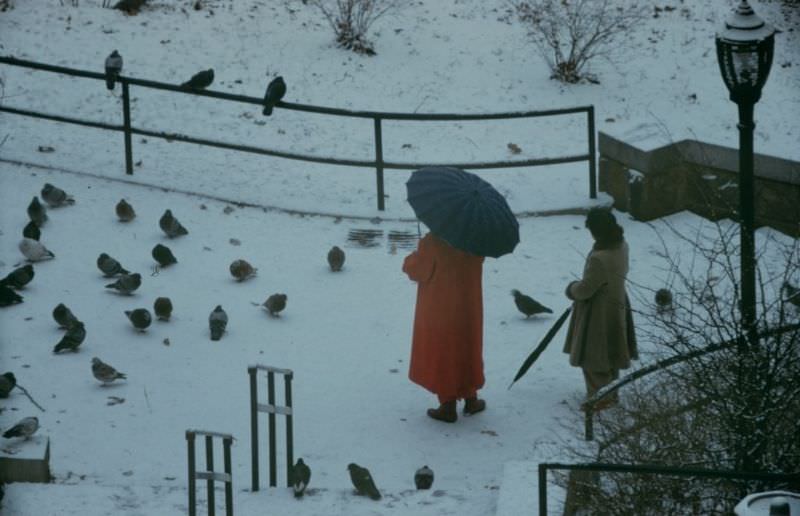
(463, 210)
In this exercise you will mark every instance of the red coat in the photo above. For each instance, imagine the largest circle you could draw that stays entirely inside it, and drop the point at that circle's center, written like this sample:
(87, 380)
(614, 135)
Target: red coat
(447, 347)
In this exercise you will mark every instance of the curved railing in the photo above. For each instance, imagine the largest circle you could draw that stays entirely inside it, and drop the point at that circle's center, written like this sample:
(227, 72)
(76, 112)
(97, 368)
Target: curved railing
(379, 164)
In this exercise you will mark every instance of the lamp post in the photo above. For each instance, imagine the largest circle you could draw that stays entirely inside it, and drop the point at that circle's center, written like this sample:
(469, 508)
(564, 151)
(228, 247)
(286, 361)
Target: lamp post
(744, 52)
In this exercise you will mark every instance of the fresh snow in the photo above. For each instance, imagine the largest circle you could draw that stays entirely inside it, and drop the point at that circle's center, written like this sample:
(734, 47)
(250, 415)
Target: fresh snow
(345, 335)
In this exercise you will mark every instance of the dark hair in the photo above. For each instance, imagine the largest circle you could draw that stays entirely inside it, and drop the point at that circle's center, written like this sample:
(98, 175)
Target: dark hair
(603, 226)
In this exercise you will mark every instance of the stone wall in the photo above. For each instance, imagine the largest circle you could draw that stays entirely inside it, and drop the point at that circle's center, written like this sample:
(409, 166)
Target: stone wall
(699, 177)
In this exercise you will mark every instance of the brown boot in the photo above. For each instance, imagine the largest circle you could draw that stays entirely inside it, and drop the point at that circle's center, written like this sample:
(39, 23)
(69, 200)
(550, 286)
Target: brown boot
(474, 405)
(446, 412)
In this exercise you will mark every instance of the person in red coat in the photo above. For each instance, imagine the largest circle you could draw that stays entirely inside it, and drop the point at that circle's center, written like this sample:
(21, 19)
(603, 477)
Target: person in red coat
(447, 345)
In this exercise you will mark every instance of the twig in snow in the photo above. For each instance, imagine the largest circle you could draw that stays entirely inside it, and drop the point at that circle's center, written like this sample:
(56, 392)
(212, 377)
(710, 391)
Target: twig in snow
(25, 392)
(147, 400)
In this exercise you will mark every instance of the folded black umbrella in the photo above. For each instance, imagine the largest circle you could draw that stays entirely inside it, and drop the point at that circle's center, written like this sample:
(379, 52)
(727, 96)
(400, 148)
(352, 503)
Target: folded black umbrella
(541, 347)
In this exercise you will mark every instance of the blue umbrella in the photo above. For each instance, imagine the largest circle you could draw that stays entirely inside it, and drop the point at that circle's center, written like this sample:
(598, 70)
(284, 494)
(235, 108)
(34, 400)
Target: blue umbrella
(464, 210)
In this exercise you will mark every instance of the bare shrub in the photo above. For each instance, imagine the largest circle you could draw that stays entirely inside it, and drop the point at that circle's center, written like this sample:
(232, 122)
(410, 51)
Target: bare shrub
(351, 20)
(571, 33)
(735, 408)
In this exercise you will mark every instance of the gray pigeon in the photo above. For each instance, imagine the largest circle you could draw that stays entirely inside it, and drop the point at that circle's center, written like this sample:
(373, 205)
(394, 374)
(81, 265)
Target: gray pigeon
(126, 283)
(24, 428)
(663, 299)
(7, 382)
(104, 372)
(217, 322)
(63, 316)
(163, 255)
(113, 69)
(199, 81)
(34, 251)
(32, 231)
(335, 259)
(275, 92)
(362, 481)
(423, 478)
(8, 297)
(18, 278)
(527, 305)
(170, 225)
(109, 266)
(125, 212)
(55, 196)
(140, 318)
(242, 270)
(163, 308)
(301, 476)
(275, 304)
(72, 339)
(37, 212)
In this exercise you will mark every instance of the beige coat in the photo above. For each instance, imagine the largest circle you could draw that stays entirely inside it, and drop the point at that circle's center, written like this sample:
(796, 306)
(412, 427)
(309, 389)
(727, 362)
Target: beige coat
(601, 336)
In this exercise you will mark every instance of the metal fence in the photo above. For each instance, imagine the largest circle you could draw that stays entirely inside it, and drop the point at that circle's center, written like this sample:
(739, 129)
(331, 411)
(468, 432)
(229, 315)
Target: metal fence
(379, 164)
(656, 470)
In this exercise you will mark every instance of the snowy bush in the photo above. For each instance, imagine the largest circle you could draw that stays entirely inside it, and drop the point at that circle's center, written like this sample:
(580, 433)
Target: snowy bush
(570, 33)
(732, 409)
(351, 20)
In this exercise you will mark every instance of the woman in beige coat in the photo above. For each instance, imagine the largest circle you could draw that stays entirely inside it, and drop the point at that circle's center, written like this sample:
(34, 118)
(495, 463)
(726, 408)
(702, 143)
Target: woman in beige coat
(601, 339)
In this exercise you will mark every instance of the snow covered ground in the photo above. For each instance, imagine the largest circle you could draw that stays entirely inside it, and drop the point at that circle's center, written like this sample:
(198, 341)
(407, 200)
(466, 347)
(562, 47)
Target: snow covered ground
(346, 336)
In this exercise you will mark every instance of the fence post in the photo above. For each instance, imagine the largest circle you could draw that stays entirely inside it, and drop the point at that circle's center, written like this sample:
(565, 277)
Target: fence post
(210, 469)
(289, 431)
(253, 426)
(126, 120)
(542, 489)
(226, 443)
(592, 155)
(192, 487)
(273, 464)
(379, 162)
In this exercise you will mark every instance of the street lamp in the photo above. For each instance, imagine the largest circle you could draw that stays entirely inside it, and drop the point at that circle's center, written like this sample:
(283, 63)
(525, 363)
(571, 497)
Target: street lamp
(744, 52)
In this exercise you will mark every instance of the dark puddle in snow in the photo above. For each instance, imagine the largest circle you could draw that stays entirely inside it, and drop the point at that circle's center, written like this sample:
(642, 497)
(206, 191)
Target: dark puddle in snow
(393, 239)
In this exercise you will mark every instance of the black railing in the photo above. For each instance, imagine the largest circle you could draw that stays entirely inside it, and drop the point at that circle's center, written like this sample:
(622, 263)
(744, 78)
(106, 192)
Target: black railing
(379, 164)
(656, 470)
(664, 364)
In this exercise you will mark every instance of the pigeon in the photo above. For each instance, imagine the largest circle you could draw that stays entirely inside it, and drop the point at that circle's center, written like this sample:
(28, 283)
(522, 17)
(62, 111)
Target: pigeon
(8, 297)
(126, 283)
(528, 305)
(55, 196)
(18, 278)
(163, 308)
(34, 251)
(125, 212)
(335, 259)
(113, 69)
(423, 478)
(217, 322)
(363, 482)
(109, 266)
(140, 318)
(275, 303)
(7, 382)
(275, 92)
(163, 255)
(301, 476)
(37, 212)
(171, 226)
(199, 81)
(104, 372)
(663, 299)
(242, 270)
(32, 231)
(72, 339)
(792, 293)
(63, 316)
(25, 428)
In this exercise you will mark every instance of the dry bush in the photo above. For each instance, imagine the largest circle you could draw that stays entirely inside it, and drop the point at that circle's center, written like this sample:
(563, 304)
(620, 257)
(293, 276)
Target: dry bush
(351, 20)
(732, 409)
(571, 33)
